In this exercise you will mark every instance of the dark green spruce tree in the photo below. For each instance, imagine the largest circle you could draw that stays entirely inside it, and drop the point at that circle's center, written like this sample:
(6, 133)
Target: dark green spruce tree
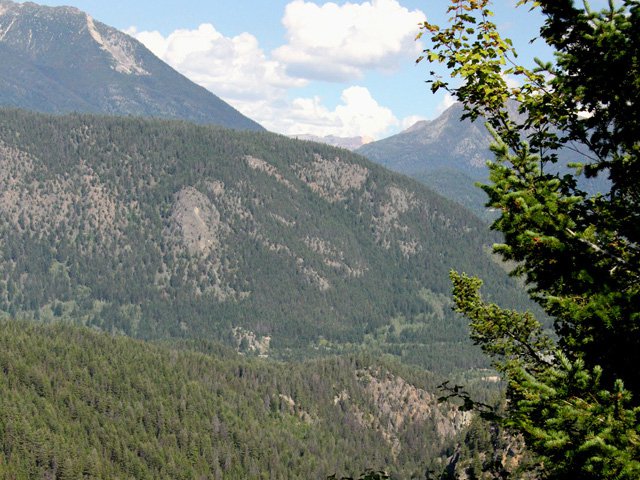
(574, 396)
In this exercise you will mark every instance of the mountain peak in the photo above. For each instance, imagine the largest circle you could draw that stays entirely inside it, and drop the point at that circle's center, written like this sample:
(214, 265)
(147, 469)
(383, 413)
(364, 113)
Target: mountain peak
(60, 59)
(31, 8)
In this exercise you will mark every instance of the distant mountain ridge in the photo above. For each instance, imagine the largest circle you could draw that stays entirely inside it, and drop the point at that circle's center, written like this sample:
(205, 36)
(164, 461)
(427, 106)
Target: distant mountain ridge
(350, 143)
(443, 143)
(60, 60)
(449, 155)
(446, 154)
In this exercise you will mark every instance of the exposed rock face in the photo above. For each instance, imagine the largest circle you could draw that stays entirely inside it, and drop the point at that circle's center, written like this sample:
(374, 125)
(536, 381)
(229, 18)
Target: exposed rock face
(333, 179)
(248, 341)
(313, 277)
(28, 202)
(333, 257)
(261, 165)
(505, 456)
(198, 221)
(121, 51)
(201, 223)
(402, 403)
(398, 404)
(387, 221)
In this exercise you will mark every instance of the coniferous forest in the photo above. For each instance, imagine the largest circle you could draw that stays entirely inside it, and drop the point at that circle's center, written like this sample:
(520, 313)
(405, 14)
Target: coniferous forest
(260, 276)
(183, 300)
(159, 229)
(82, 404)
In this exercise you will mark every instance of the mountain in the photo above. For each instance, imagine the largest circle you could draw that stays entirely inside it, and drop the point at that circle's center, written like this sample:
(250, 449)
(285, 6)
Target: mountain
(449, 155)
(162, 229)
(446, 154)
(350, 143)
(83, 404)
(446, 143)
(61, 60)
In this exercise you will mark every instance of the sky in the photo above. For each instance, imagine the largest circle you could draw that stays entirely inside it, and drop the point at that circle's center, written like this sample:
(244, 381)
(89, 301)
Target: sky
(344, 68)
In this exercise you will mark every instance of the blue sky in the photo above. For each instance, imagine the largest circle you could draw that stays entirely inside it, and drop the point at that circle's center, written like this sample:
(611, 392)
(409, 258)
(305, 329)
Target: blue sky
(304, 66)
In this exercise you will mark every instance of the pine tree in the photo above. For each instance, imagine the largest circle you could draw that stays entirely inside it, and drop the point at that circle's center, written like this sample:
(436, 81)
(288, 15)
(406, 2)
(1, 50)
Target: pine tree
(574, 397)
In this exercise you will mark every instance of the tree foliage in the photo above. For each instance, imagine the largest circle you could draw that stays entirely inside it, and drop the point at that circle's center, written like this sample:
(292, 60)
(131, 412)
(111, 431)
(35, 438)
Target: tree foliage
(76, 403)
(574, 396)
(92, 230)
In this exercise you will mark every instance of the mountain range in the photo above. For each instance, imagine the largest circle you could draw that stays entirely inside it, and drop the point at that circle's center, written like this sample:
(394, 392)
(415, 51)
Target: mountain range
(190, 296)
(350, 143)
(449, 155)
(61, 60)
(435, 145)
(164, 229)
(446, 154)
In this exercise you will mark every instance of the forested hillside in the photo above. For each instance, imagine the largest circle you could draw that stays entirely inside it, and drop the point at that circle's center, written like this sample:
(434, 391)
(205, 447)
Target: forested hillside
(82, 404)
(279, 247)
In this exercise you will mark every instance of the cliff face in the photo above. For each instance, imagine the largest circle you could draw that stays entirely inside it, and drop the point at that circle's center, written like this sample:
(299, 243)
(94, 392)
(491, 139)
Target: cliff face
(488, 452)
(400, 404)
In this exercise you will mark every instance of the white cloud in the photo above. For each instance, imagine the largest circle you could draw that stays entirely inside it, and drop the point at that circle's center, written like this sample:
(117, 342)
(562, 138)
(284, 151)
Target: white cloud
(446, 102)
(339, 42)
(234, 68)
(358, 114)
(511, 81)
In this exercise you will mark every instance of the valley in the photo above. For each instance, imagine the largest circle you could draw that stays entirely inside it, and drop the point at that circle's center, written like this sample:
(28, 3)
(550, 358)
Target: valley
(184, 294)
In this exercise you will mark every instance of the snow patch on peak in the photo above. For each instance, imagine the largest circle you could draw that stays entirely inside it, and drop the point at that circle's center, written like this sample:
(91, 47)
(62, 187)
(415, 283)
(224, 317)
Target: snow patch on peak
(119, 49)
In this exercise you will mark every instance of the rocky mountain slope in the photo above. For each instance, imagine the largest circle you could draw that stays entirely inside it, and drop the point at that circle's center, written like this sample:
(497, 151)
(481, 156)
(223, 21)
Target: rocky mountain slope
(446, 154)
(61, 60)
(449, 155)
(277, 247)
(432, 145)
